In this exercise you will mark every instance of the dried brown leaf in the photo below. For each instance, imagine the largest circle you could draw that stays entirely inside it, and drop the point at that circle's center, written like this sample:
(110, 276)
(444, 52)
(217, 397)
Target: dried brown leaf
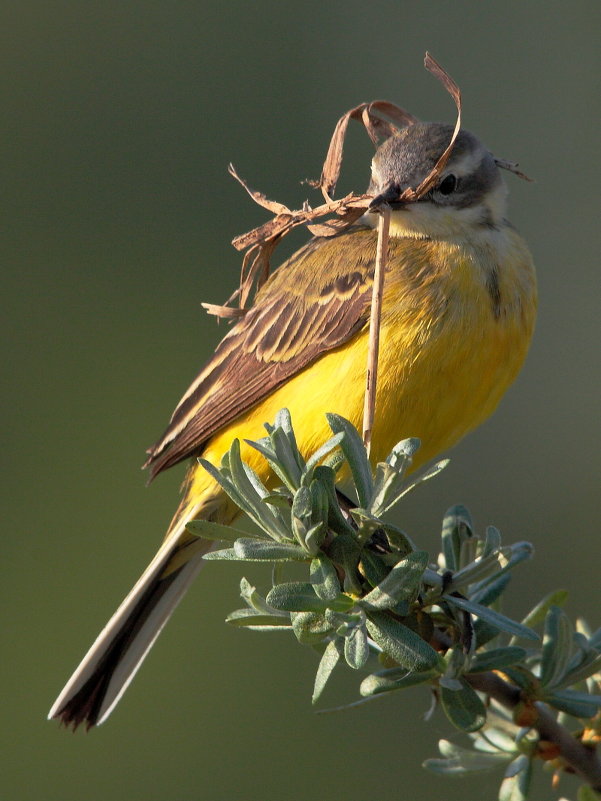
(260, 243)
(449, 84)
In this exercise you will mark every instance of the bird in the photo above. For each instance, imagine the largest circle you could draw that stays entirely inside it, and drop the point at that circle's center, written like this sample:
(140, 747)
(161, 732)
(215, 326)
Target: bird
(458, 314)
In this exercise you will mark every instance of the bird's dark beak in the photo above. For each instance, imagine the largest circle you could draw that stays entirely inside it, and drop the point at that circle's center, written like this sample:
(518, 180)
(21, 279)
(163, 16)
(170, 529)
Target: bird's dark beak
(390, 197)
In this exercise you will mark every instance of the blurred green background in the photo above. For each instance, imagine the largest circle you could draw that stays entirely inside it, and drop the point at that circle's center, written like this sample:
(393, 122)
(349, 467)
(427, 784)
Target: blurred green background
(118, 120)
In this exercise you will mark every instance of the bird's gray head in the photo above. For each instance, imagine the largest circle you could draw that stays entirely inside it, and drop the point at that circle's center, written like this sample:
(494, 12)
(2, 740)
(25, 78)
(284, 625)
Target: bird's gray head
(470, 191)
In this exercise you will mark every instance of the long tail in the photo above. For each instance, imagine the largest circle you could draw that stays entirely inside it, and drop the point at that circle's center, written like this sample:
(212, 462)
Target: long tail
(113, 660)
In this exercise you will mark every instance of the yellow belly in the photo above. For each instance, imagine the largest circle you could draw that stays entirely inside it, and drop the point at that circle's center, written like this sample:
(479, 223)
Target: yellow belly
(446, 359)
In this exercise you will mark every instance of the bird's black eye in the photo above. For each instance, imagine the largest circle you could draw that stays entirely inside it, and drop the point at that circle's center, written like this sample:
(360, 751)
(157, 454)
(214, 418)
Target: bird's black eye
(447, 185)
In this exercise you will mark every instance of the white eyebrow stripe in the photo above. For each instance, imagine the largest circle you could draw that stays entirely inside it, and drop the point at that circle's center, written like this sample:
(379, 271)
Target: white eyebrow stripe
(467, 164)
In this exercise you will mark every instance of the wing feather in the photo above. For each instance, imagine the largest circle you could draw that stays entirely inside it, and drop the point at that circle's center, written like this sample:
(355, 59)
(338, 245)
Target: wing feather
(313, 303)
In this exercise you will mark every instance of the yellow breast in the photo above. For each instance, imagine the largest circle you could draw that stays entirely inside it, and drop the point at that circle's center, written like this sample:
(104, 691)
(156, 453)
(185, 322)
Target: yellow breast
(457, 320)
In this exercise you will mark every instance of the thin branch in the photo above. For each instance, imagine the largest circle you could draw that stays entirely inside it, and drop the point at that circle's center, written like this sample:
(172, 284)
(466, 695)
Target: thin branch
(582, 759)
(371, 379)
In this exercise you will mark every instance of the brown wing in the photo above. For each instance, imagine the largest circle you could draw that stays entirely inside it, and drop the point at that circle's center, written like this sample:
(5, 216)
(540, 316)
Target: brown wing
(313, 303)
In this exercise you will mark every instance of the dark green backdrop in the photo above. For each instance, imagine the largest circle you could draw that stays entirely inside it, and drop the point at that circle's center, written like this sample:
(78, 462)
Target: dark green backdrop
(117, 122)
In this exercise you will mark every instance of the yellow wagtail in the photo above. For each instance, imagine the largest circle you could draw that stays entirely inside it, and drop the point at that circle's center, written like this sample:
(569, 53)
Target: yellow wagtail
(458, 313)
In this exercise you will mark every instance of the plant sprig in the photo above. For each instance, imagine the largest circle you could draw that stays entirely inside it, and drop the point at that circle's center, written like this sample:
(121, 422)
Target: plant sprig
(375, 601)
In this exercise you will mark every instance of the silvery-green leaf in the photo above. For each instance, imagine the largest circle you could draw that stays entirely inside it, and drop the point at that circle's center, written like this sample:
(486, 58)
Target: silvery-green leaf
(244, 494)
(249, 595)
(356, 649)
(493, 618)
(402, 644)
(456, 527)
(516, 784)
(496, 658)
(395, 679)
(401, 583)
(372, 567)
(588, 667)
(464, 707)
(310, 628)
(356, 456)
(488, 591)
(287, 457)
(557, 647)
(319, 502)
(298, 596)
(324, 578)
(401, 456)
(366, 524)
(225, 554)
(249, 618)
(281, 500)
(301, 514)
(539, 612)
(254, 550)
(337, 521)
(216, 531)
(580, 705)
(481, 568)
(329, 660)
(315, 537)
(265, 449)
(320, 454)
(461, 761)
(492, 541)
(484, 633)
(345, 551)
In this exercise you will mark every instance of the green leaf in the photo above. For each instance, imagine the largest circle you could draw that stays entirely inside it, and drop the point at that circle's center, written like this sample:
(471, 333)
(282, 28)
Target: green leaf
(329, 660)
(249, 618)
(481, 568)
(281, 499)
(463, 761)
(580, 705)
(456, 527)
(484, 633)
(244, 494)
(356, 649)
(372, 567)
(253, 550)
(557, 647)
(320, 454)
(255, 601)
(215, 531)
(489, 591)
(395, 679)
(310, 628)
(402, 583)
(337, 521)
(324, 578)
(516, 784)
(492, 541)
(402, 644)
(356, 456)
(297, 596)
(463, 707)
(388, 488)
(345, 551)
(319, 502)
(590, 665)
(493, 618)
(225, 554)
(496, 658)
(315, 537)
(539, 613)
